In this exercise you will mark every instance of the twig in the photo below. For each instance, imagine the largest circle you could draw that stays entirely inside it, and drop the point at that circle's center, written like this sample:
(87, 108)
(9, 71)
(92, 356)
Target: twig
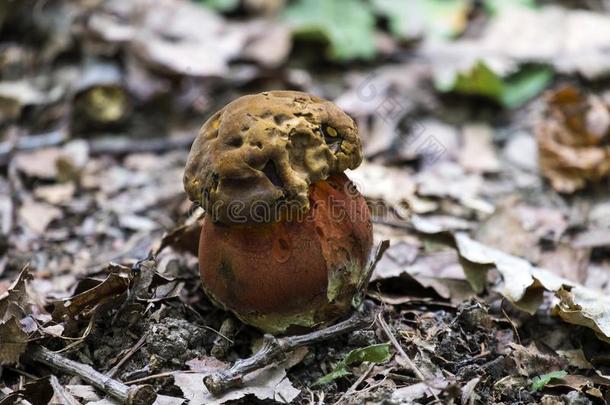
(62, 394)
(275, 350)
(102, 146)
(126, 145)
(386, 329)
(355, 385)
(384, 325)
(156, 376)
(114, 370)
(135, 395)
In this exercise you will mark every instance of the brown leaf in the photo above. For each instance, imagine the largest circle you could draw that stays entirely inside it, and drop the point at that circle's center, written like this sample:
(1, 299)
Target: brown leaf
(37, 216)
(15, 299)
(571, 138)
(478, 154)
(206, 364)
(531, 361)
(116, 284)
(13, 341)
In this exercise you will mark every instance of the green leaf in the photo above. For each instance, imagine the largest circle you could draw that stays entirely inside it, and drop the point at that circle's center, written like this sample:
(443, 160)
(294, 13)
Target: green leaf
(333, 375)
(540, 382)
(495, 7)
(511, 91)
(347, 25)
(221, 5)
(525, 84)
(479, 80)
(377, 354)
(409, 19)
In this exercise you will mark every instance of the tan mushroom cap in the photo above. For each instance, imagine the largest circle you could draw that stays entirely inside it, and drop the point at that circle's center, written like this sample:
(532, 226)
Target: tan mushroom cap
(254, 160)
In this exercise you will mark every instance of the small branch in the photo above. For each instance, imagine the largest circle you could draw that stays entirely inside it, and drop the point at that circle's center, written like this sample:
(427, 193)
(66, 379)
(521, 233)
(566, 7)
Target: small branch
(135, 395)
(61, 393)
(275, 350)
(124, 145)
(386, 329)
(111, 145)
(114, 370)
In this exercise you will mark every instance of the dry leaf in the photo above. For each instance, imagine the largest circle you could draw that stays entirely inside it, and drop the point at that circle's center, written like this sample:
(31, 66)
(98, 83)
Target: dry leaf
(115, 284)
(478, 154)
(268, 383)
(524, 284)
(13, 341)
(573, 41)
(571, 138)
(37, 216)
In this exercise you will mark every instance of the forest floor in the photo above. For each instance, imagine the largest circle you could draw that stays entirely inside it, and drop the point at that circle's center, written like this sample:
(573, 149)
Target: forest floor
(486, 134)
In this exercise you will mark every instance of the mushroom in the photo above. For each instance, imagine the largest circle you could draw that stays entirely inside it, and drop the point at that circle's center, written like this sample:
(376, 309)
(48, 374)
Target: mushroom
(286, 235)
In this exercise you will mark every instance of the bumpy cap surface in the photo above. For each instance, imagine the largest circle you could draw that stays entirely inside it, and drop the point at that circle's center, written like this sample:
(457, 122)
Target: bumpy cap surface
(254, 160)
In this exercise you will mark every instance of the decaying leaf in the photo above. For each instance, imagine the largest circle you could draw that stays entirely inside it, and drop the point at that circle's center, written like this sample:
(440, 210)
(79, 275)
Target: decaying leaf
(183, 37)
(570, 40)
(268, 383)
(573, 138)
(419, 390)
(524, 284)
(13, 306)
(14, 300)
(413, 19)
(351, 39)
(13, 341)
(115, 284)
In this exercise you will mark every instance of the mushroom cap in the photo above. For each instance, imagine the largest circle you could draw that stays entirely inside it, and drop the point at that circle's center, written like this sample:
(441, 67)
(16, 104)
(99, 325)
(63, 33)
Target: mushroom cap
(254, 160)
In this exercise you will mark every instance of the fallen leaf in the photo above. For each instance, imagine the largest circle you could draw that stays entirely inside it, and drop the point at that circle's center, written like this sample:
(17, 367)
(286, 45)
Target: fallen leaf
(13, 341)
(267, 383)
(510, 90)
(269, 42)
(570, 40)
(576, 358)
(15, 299)
(206, 364)
(37, 216)
(541, 381)
(56, 194)
(420, 390)
(414, 19)
(41, 163)
(379, 353)
(524, 284)
(115, 284)
(571, 140)
(352, 39)
(478, 153)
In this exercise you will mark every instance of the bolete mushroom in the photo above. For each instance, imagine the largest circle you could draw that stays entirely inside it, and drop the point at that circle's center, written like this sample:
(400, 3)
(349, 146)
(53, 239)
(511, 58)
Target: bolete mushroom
(286, 235)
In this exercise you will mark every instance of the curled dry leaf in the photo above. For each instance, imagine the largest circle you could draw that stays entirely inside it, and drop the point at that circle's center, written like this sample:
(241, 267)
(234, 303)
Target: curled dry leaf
(13, 306)
(574, 139)
(116, 284)
(269, 383)
(523, 283)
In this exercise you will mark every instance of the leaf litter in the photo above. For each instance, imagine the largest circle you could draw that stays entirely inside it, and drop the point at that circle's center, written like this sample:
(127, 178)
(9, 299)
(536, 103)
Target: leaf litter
(95, 131)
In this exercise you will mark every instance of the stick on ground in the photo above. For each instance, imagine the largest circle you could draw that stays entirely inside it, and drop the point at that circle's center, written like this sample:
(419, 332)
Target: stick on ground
(275, 350)
(134, 395)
